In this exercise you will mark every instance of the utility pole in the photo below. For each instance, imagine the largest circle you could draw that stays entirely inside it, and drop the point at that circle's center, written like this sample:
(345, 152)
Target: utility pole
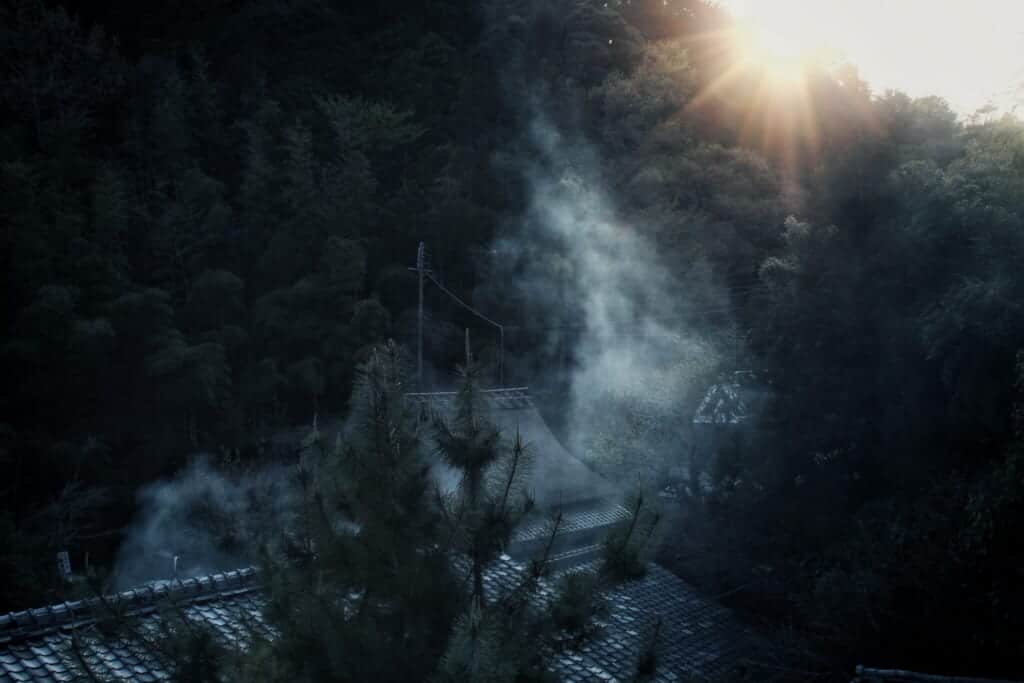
(425, 273)
(419, 343)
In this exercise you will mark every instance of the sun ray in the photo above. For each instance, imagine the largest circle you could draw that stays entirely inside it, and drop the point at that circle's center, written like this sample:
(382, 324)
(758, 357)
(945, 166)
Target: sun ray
(762, 81)
(719, 85)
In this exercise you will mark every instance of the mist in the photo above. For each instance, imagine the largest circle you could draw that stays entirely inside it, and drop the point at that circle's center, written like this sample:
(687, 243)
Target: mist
(204, 520)
(209, 219)
(641, 352)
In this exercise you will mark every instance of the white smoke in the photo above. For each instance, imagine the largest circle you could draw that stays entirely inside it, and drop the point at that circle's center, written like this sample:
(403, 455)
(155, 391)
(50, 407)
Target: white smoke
(201, 522)
(642, 357)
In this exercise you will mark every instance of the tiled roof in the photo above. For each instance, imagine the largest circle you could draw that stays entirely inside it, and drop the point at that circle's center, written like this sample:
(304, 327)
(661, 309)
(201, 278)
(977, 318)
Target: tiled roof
(732, 402)
(722, 404)
(585, 517)
(557, 477)
(70, 642)
(510, 398)
(695, 638)
(582, 529)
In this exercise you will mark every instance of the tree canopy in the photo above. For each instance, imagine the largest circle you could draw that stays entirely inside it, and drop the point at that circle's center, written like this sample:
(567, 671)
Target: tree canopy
(208, 213)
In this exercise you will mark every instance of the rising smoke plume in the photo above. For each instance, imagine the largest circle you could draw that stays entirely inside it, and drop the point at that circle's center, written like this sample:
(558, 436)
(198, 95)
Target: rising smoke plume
(202, 521)
(621, 324)
(640, 354)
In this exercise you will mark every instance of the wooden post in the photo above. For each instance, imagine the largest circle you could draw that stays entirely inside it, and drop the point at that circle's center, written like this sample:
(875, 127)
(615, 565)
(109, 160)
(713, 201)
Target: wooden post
(419, 341)
(501, 356)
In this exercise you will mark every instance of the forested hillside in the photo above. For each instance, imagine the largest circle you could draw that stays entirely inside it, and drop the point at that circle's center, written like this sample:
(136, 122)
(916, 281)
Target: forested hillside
(209, 209)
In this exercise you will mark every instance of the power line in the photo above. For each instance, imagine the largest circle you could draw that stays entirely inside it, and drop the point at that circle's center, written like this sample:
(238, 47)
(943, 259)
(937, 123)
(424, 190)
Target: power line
(424, 272)
(743, 289)
(459, 301)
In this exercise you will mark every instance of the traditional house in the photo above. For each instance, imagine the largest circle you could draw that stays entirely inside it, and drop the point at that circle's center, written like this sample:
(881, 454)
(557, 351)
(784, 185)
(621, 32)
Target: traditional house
(727, 420)
(691, 637)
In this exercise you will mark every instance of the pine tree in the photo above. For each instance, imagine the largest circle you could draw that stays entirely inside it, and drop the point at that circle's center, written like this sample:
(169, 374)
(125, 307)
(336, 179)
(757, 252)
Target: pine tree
(511, 635)
(362, 574)
(498, 637)
(490, 499)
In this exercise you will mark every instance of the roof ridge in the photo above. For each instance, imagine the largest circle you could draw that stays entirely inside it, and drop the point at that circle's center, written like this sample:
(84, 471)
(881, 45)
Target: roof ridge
(73, 613)
(500, 398)
(496, 390)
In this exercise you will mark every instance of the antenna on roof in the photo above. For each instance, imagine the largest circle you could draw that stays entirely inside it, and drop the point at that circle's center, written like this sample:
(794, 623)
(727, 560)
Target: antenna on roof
(420, 268)
(469, 353)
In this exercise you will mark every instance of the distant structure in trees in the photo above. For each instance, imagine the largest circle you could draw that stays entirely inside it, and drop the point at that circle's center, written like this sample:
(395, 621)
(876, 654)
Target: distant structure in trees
(728, 402)
(727, 417)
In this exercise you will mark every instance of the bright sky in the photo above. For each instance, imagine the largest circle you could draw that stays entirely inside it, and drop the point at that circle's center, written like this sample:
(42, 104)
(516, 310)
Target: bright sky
(967, 51)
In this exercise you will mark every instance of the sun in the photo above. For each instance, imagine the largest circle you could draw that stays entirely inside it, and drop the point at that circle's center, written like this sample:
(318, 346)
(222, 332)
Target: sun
(782, 37)
(779, 59)
(777, 45)
(765, 69)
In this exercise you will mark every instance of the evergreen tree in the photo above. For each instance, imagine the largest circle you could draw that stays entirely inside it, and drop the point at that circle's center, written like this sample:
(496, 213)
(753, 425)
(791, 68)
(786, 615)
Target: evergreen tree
(489, 641)
(362, 573)
(510, 633)
(490, 498)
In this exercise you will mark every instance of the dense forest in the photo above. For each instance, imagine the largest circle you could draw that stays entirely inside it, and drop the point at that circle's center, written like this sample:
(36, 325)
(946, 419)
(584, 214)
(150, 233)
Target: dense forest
(209, 211)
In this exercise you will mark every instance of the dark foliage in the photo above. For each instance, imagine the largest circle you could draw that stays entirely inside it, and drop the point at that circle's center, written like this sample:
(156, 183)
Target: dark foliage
(207, 210)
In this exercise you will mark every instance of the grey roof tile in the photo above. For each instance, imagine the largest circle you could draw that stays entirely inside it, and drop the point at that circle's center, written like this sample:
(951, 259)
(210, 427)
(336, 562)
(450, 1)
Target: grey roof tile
(43, 648)
(695, 636)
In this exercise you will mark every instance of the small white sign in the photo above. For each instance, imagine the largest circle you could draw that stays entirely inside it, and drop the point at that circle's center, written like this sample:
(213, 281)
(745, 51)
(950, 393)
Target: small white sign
(64, 565)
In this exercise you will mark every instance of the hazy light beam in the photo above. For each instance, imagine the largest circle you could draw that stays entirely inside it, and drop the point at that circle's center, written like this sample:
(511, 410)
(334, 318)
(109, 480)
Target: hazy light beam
(970, 53)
